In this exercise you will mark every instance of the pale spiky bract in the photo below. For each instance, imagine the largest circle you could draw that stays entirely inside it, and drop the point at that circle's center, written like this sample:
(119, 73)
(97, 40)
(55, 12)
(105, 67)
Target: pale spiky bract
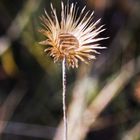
(74, 38)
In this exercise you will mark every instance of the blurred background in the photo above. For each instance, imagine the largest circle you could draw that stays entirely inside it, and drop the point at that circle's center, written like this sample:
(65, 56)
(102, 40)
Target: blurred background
(103, 98)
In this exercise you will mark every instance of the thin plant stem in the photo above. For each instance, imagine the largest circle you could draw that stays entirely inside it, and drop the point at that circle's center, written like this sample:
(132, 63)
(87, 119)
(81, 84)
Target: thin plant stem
(64, 97)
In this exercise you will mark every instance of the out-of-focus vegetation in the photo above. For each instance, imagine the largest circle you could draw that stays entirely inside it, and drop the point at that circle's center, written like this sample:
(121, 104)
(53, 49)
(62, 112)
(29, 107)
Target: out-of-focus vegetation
(103, 98)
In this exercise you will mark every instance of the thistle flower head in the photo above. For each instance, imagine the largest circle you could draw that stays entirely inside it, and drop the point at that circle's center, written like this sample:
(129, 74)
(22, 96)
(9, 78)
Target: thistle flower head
(73, 38)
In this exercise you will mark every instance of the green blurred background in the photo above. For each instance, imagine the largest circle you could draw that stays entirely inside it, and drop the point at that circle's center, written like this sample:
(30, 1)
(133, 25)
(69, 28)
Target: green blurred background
(30, 83)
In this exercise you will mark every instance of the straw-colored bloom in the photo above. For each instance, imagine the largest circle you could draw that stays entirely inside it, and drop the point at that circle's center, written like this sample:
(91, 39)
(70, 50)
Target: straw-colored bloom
(73, 38)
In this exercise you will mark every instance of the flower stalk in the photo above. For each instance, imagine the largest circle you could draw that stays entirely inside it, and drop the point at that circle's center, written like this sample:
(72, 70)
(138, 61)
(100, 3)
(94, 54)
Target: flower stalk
(64, 97)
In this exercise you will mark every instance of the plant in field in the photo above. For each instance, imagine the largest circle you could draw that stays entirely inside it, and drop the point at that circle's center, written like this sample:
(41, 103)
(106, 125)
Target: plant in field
(71, 40)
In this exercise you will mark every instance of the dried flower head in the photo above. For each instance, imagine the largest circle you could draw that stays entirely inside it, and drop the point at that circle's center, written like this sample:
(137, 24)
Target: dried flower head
(74, 38)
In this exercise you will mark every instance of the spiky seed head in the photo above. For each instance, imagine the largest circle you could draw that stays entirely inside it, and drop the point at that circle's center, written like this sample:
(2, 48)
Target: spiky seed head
(74, 38)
